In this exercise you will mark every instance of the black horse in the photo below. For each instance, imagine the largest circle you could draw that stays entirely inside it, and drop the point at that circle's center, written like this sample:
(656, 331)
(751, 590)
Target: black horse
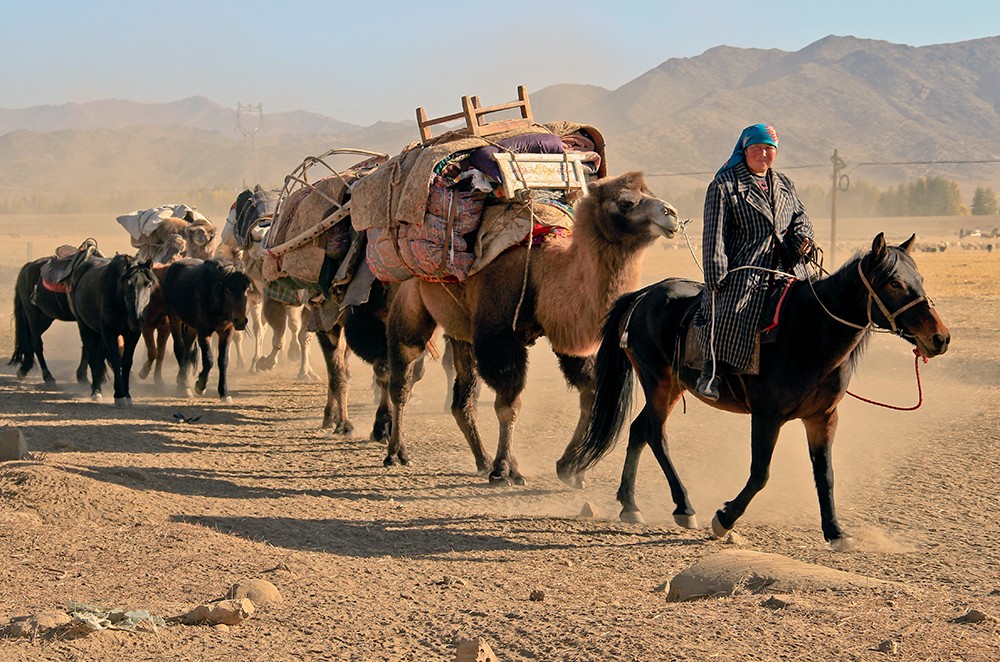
(110, 298)
(803, 374)
(204, 297)
(35, 308)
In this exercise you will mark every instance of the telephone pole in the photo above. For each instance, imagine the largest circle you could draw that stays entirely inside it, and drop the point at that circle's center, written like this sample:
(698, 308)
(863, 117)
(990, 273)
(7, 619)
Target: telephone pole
(839, 183)
(249, 140)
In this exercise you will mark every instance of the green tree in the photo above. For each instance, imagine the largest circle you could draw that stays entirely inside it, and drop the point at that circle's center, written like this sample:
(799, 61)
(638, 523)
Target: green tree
(984, 202)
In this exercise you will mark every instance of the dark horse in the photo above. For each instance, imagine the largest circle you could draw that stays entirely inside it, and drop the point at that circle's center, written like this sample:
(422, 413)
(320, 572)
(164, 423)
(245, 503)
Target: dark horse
(803, 374)
(35, 308)
(110, 298)
(204, 297)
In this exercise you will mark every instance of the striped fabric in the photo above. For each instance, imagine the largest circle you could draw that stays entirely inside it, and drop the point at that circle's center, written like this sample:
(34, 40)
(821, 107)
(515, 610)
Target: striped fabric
(740, 226)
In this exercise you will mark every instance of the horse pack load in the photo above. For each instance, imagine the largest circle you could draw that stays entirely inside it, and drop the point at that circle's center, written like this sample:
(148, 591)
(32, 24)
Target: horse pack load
(440, 210)
(151, 228)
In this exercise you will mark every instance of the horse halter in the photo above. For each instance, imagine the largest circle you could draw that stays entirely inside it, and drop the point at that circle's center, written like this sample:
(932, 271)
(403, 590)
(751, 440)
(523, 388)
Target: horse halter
(891, 317)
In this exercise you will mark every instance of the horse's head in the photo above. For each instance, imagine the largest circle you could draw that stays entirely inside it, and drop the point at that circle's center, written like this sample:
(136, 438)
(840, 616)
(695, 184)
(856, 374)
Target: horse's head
(901, 305)
(630, 209)
(231, 295)
(136, 285)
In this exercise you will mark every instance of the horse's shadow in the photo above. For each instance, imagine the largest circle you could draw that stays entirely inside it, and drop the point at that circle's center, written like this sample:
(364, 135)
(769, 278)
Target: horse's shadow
(422, 538)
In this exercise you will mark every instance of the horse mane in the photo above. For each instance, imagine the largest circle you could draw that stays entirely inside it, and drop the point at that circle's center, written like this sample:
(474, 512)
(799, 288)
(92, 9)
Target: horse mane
(879, 271)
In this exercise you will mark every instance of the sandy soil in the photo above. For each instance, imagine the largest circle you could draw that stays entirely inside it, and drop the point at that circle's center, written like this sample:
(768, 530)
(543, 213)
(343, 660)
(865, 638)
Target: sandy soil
(126, 508)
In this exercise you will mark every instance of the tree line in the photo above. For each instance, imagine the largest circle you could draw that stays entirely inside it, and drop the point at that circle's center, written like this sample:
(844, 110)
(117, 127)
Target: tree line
(926, 196)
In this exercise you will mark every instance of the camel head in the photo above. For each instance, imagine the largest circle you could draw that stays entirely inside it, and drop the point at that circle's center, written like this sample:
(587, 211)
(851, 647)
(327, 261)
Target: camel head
(630, 209)
(199, 235)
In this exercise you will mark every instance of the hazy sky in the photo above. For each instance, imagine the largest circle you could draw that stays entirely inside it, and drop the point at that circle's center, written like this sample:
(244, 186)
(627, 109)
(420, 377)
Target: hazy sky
(364, 61)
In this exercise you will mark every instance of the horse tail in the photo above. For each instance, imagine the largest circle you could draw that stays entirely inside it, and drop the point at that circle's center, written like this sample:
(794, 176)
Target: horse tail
(24, 348)
(613, 398)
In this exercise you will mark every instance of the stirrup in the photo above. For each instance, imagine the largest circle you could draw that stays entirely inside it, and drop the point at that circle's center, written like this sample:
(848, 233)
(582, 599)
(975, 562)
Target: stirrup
(707, 387)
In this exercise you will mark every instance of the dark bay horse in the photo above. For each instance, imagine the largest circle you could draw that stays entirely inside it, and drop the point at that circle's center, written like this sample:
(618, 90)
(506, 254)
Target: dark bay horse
(35, 308)
(110, 298)
(803, 374)
(204, 297)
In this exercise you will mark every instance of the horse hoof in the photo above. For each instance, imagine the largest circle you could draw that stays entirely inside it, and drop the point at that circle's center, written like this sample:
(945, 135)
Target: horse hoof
(143, 373)
(121, 402)
(21, 376)
(227, 399)
(686, 521)
(717, 529)
(499, 480)
(394, 461)
(187, 393)
(842, 544)
(96, 397)
(631, 517)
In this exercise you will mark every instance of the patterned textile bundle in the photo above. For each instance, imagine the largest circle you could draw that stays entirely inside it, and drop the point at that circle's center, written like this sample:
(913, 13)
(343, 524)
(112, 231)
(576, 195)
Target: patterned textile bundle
(438, 248)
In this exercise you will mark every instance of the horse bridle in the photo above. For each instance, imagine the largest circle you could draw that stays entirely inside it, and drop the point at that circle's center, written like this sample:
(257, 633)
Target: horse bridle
(891, 317)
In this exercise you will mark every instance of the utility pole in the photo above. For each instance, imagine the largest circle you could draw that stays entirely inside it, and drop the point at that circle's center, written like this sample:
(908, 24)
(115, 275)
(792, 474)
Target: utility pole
(838, 183)
(249, 140)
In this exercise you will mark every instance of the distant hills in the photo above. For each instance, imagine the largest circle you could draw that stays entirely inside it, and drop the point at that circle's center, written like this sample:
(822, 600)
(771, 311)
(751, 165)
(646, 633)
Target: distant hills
(873, 100)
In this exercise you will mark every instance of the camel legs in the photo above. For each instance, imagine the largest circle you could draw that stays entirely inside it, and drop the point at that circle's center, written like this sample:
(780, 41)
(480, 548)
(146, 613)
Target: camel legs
(502, 360)
(464, 393)
(333, 346)
(275, 315)
(819, 433)
(764, 428)
(408, 331)
(300, 348)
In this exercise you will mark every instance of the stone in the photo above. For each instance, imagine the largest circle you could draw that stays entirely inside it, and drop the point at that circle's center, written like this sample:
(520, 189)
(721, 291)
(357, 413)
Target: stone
(227, 612)
(12, 444)
(589, 511)
(971, 616)
(887, 646)
(774, 603)
(736, 570)
(475, 650)
(259, 591)
(536, 596)
(30, 626)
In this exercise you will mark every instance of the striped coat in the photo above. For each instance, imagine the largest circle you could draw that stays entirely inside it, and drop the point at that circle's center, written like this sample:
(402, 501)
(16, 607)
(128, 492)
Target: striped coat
(741, 223)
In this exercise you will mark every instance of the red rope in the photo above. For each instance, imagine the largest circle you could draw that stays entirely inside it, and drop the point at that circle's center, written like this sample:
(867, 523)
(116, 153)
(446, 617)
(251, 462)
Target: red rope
(920, 392)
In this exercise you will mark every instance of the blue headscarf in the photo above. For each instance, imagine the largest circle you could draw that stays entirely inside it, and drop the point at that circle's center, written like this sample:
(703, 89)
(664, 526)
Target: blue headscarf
(755, 134)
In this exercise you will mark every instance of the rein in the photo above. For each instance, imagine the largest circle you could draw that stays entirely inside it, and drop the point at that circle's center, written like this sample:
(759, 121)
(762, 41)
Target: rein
(920, 391)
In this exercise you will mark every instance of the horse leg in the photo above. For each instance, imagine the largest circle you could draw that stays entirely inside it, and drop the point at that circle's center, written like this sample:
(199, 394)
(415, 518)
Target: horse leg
(183, 338)
(125, 368)
(207, 362)
(503, 364)
(763, 436)
(275, 316)
(332, 344)
(81, 368)
(94, 346)
(224, 337)
(465, 391)
(162, 335)
(148, 333)
(819, 433)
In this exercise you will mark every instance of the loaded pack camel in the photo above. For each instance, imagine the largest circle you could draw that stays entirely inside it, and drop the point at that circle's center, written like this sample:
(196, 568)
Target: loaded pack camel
(560, 289)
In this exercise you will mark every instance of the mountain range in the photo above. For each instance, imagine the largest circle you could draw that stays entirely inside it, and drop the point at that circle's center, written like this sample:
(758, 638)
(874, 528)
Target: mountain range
(875, 102)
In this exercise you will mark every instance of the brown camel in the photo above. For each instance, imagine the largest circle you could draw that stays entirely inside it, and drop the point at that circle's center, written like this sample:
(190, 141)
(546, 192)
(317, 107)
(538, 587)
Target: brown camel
(198, 235)
(560, 289)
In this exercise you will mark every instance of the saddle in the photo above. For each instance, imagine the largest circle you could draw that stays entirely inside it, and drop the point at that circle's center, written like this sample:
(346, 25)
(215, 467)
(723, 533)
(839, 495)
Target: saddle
(689, 350)
(57, 271)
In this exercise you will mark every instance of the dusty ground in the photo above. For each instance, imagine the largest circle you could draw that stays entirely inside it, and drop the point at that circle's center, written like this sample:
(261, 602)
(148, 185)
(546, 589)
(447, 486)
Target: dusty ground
(127, 508)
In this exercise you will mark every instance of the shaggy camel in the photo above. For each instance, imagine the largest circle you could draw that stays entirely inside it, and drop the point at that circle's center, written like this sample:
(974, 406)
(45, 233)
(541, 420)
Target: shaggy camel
(560, 289)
